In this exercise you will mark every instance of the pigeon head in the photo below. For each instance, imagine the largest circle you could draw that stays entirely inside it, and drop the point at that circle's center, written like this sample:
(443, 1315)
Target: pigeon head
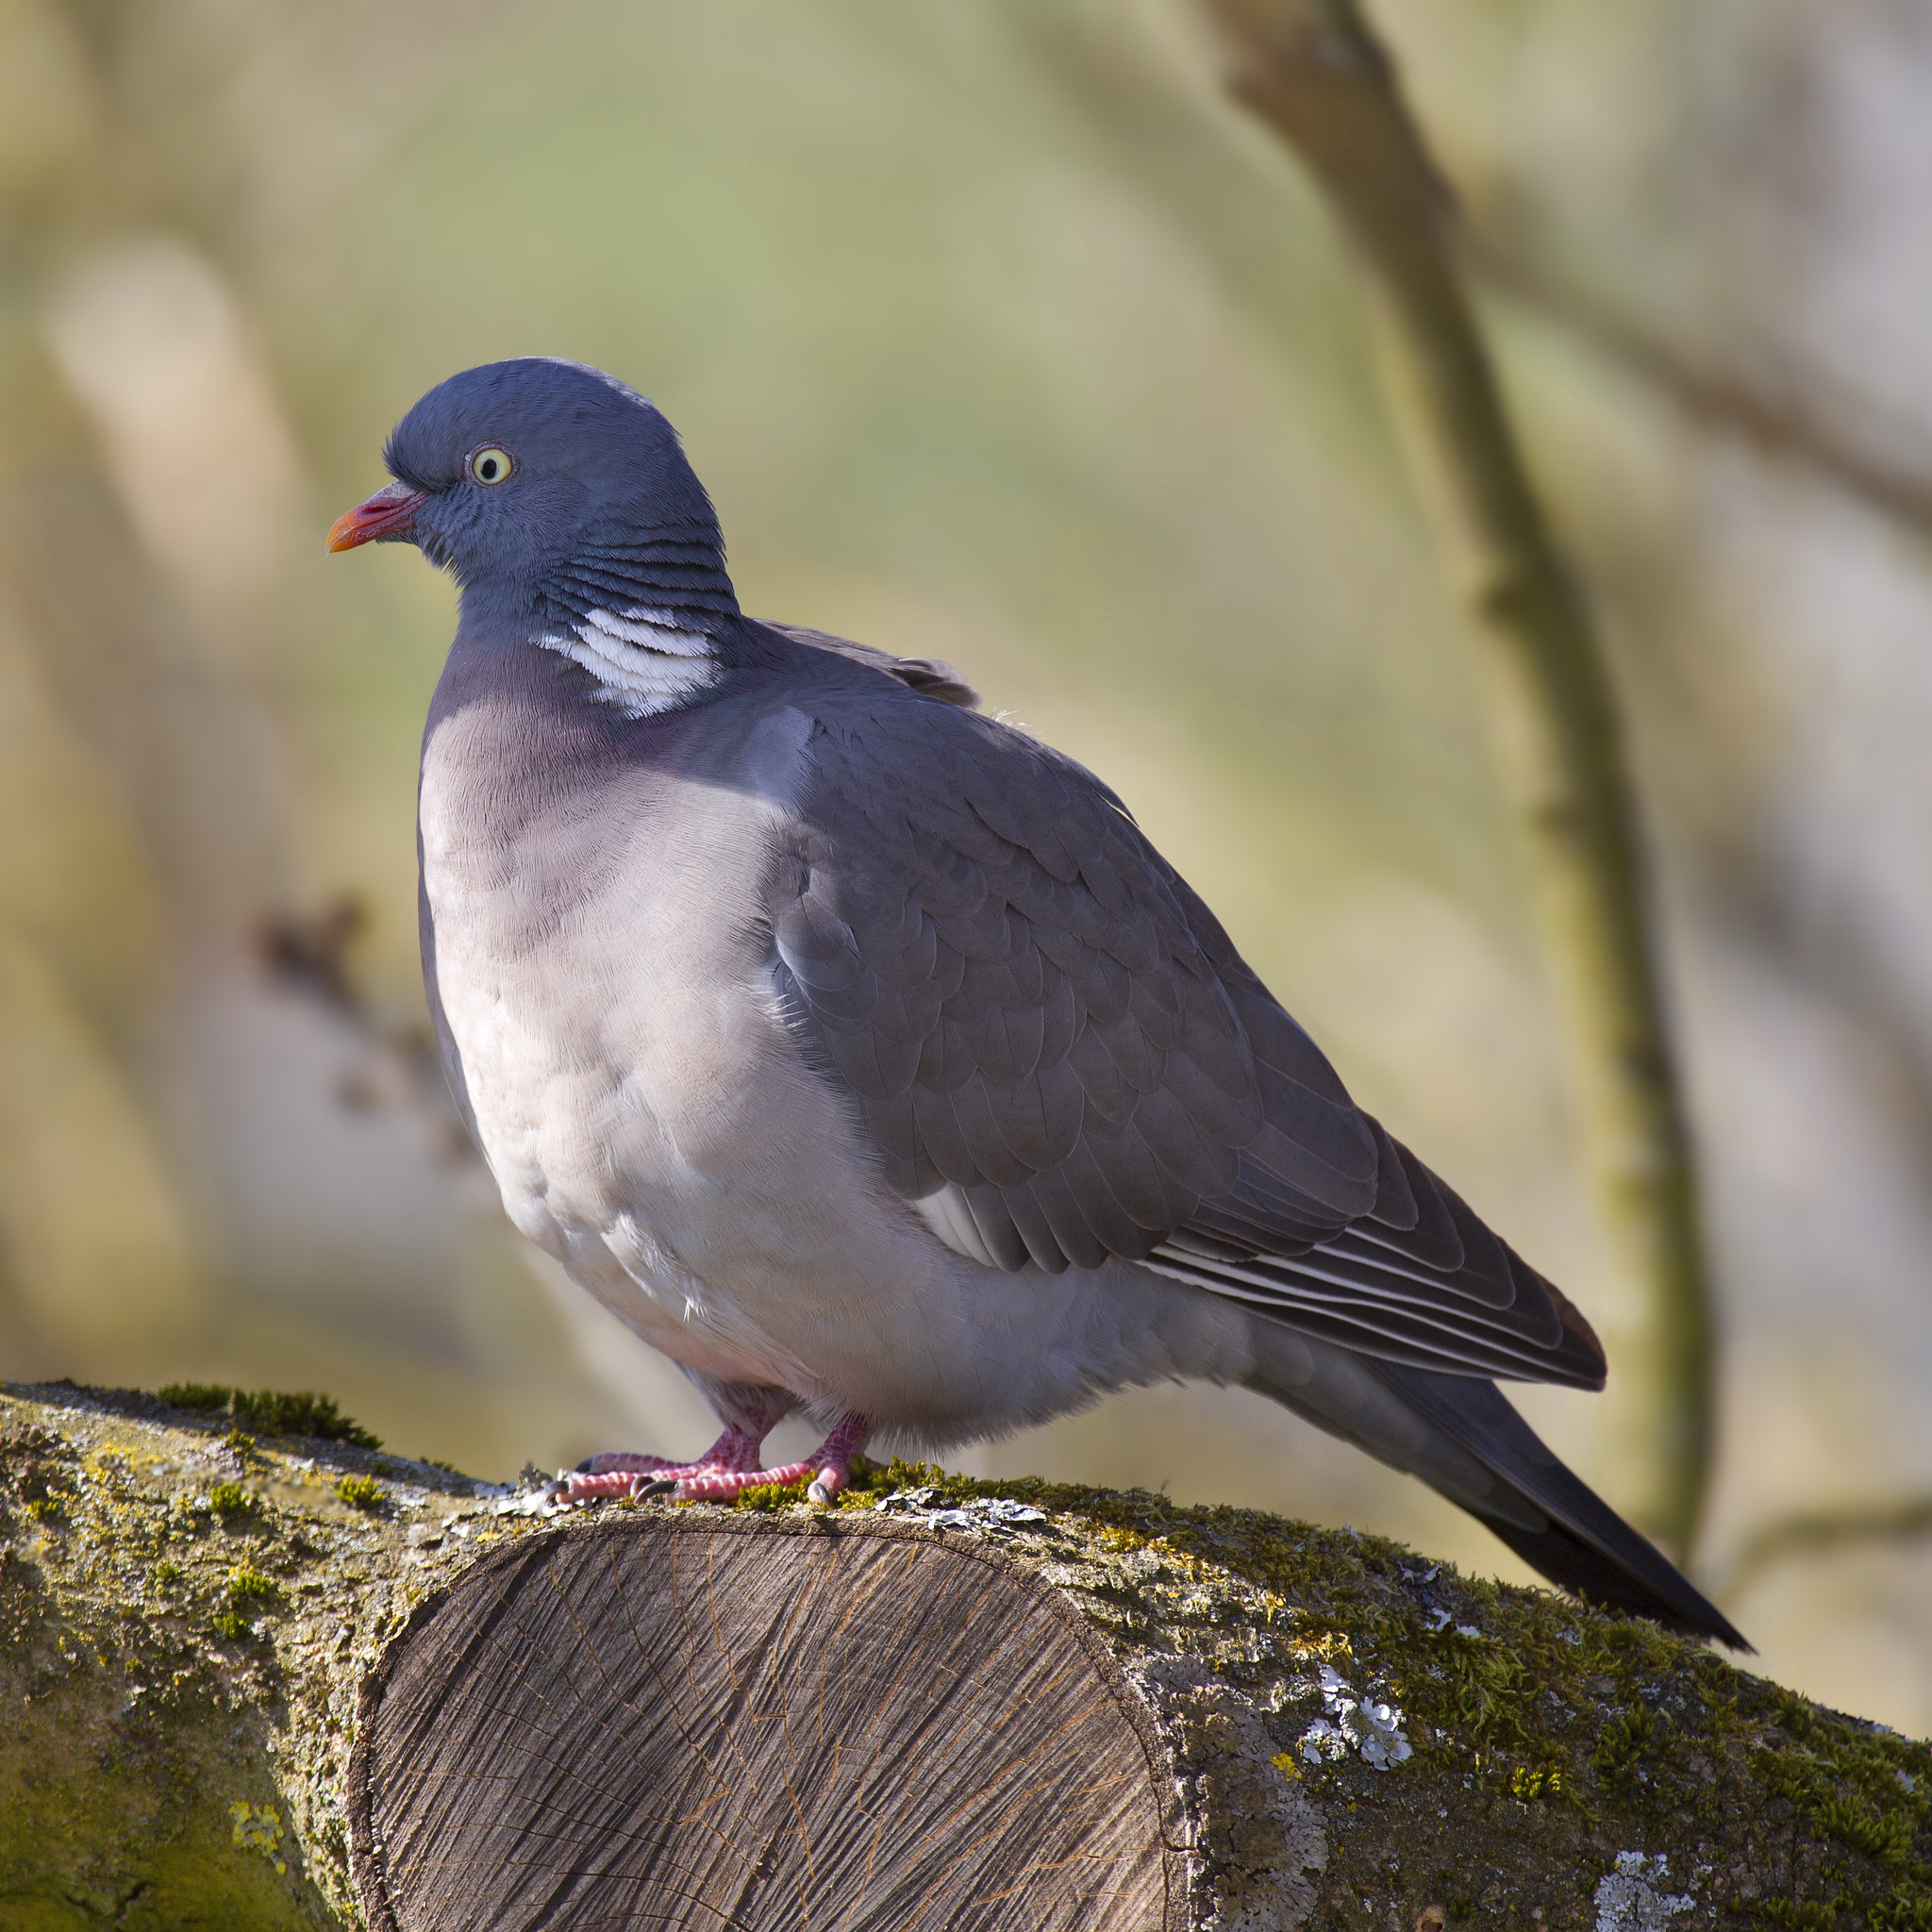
(551, 491)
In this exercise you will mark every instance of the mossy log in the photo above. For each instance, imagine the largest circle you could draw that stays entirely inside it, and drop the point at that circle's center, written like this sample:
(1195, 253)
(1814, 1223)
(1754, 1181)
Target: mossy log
(291, 1682)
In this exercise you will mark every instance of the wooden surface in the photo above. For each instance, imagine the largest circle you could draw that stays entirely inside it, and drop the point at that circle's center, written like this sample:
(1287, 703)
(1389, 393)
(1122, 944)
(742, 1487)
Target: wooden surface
(655, 1721)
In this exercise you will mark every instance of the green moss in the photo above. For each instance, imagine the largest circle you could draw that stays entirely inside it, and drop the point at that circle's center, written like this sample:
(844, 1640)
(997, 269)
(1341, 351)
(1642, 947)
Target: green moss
(1848, 1819)
(361, 1491)
(272, 1412)
(1902, 1912)
(1817, 1916)
(1852, 1789)
(247, 1586)
(1602, 1727)
(229, 1499)
(765, 1497)
(197, 1394)
(245, 1593)
(1621, 1745)
(144, 1667)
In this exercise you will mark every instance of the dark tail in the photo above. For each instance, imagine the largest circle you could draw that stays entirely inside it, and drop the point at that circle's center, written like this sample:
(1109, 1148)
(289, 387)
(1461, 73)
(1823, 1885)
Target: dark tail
(1462, 1438)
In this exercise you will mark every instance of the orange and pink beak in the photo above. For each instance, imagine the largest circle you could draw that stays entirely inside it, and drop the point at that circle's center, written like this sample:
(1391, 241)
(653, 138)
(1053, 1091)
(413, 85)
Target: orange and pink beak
(391, 512)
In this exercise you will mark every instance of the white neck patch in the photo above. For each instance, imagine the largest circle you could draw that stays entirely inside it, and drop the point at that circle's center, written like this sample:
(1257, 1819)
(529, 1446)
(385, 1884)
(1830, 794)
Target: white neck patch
(643, 660)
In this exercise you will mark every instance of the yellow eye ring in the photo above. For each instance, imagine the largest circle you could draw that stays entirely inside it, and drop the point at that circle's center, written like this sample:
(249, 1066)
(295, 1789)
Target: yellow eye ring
(489, 464)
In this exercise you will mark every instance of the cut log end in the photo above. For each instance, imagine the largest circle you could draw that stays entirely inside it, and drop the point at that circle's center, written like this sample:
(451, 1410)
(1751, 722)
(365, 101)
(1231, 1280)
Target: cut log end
(663, 1722)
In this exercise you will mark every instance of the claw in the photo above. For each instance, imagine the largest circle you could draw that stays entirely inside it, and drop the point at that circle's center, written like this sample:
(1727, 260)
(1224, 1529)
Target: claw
(827, 1484)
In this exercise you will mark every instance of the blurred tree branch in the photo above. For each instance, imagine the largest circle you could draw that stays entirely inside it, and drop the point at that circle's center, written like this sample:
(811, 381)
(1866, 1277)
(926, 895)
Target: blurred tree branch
(1817, 1532)
(1314, 72)
(1767, 415)
(307, 953)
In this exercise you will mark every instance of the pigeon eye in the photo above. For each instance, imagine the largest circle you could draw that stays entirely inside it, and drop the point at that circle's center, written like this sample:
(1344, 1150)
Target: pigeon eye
(489, 464)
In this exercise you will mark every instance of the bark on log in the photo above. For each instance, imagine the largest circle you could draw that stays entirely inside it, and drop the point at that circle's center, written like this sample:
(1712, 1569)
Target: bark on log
(301, 1683)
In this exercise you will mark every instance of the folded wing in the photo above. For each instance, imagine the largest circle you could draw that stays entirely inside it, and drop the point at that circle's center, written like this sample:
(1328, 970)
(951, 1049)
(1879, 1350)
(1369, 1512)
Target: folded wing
(1061, 1058)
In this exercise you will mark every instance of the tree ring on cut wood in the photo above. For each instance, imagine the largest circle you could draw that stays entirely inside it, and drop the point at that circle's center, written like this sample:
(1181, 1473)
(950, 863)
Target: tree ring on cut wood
(668, 1720)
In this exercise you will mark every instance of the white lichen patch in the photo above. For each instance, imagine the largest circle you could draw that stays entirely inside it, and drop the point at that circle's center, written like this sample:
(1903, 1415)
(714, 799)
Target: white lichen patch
(1370, 1728)
(540, 1500)
(1631, 1898)
(980, 1515)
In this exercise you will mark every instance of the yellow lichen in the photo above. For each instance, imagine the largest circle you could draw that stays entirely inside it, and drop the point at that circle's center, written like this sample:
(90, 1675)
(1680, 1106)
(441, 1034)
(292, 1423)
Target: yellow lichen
(258, 1828)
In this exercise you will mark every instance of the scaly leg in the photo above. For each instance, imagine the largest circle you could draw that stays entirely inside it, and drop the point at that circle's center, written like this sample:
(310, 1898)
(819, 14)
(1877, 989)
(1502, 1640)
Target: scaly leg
(830, 1466)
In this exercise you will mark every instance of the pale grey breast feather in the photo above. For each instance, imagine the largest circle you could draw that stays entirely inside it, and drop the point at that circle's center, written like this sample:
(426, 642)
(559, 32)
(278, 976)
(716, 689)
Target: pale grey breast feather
(642, 660)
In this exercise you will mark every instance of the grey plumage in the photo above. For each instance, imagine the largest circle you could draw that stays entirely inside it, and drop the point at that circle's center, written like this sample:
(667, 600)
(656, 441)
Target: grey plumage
(1033, 1009)
(861, 1053)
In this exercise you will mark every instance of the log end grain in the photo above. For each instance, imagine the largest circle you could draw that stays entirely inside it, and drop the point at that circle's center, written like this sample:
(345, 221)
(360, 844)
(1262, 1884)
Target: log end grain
(668, 1721)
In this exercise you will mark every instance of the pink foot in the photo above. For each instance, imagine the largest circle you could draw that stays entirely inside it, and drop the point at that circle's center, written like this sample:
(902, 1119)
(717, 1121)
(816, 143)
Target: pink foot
(625, 1475)
(729, 1465)
(830, 1466)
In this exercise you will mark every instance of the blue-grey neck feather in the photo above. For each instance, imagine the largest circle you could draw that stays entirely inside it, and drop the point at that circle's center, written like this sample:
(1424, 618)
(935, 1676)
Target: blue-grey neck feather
(677, 576)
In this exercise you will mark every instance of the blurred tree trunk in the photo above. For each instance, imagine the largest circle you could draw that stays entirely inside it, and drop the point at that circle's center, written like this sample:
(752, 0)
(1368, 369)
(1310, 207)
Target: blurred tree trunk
(1314, 71)
(299, 1684)
(151, 495)
(93, 682)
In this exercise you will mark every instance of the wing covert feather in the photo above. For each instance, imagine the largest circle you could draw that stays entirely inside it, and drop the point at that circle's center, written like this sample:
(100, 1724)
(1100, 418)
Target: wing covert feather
(1029, 1008)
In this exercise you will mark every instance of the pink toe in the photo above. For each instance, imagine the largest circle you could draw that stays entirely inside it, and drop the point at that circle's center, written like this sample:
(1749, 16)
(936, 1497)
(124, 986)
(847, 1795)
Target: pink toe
(586, 1486)
(714, 1485)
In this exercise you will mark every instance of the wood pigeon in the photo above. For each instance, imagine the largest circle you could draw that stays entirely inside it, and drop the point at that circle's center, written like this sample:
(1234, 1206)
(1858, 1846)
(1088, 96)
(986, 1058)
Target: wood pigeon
(861, 1054)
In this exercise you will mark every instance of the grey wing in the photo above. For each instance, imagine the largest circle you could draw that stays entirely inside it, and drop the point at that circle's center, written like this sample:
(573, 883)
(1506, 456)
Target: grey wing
(1062, 1057)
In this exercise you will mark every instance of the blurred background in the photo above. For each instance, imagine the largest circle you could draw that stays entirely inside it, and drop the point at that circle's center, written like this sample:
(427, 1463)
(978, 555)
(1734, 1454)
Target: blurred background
(998, 337)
